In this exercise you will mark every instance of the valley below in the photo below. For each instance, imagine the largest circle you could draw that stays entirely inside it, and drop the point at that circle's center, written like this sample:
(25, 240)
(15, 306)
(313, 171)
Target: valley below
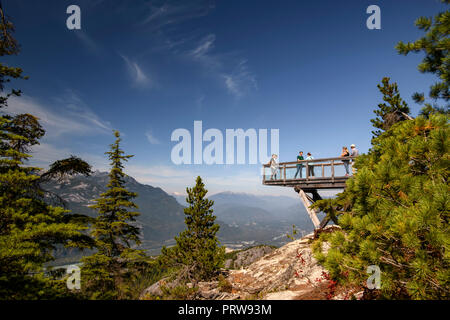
(245, 220)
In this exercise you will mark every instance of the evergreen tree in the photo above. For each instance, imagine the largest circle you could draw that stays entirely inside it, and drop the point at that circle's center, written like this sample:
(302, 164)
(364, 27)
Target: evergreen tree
(8, 46)
(30, 229)
(197, 253)
(436, 46)
(395, 212)
(115, 232)
(392, 110)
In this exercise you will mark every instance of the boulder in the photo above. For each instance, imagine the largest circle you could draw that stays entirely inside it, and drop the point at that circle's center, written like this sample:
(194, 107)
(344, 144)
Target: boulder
(155, 289)
(247, 257)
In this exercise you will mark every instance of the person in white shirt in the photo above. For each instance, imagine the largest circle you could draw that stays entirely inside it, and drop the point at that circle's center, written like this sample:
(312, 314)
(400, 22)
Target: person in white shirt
(274, 166)
(354, 153)
(310, 164)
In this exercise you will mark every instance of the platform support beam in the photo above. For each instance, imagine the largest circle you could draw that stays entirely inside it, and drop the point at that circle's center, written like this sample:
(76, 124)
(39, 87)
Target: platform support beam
(307, 203)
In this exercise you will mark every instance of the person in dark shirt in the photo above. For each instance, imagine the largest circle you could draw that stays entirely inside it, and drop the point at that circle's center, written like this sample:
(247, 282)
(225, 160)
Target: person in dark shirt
(345, 154)
(299, 165)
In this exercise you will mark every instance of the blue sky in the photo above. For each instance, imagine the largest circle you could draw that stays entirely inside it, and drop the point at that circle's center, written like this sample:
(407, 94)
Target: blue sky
(146, 68)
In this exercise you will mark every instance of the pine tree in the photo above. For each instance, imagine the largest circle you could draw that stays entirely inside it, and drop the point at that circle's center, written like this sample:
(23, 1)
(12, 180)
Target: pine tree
(8, 46)
(115, 233)
(112, 228)
(392, 110)
(197, 252)
(395, 212)
(436, 46)
(30, 229)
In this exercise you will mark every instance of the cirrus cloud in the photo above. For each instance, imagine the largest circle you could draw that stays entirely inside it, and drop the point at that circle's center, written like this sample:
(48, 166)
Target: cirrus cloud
(72, 117)
(139, 77)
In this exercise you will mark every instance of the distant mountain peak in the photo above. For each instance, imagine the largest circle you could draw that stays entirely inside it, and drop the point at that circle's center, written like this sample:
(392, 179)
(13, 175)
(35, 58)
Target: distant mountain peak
(242, 216)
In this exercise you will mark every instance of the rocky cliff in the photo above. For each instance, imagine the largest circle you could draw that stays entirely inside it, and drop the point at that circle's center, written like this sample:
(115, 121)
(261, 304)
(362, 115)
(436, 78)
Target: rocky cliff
(290, 272)
(287, 273)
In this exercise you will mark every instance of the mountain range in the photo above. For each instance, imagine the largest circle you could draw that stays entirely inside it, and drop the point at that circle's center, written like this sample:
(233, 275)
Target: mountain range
(244, 219)
(243, 208)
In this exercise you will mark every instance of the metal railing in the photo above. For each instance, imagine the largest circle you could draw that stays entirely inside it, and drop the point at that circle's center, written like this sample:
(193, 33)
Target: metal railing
(330, 168)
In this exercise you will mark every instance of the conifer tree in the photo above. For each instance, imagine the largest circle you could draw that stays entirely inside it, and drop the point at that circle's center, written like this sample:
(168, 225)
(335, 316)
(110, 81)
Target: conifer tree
(197, 252)
(113, 229)
(392, 110)
(30, 229)
(436, 46)
(8, 46)
(115, 233)
(395, 212)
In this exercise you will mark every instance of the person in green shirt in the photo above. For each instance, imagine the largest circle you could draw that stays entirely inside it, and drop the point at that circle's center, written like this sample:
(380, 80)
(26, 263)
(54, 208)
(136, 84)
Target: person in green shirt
(299, 165)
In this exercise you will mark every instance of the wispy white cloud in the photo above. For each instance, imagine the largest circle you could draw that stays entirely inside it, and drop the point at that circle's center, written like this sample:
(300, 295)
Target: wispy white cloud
(235, 73)
(202, 53)
(167, 14)
(156, 13)
(164, 176)
(151, 138)
(175, 44)
(44, 154)
(231, 85)
(164, 22)
(199, 101)
(65, 118)
(176, 179)
(72, 116)
(90, 44)
(203, 49)
(241, 80)
(136, 73)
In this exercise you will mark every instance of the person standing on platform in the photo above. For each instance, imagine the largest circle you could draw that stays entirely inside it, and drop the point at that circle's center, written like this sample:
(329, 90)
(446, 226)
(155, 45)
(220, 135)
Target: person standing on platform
(299, 165)
(310, 164)
(273, 166)
(345, 154)
(354, 153)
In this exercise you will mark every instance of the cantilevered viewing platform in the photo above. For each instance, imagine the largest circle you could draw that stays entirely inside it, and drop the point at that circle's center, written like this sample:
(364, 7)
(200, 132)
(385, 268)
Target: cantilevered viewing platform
(329, 173)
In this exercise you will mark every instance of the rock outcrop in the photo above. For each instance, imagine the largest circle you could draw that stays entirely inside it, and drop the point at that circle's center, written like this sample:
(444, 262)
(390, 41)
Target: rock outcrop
(287, 273)
(247, 257)
(290, 272)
